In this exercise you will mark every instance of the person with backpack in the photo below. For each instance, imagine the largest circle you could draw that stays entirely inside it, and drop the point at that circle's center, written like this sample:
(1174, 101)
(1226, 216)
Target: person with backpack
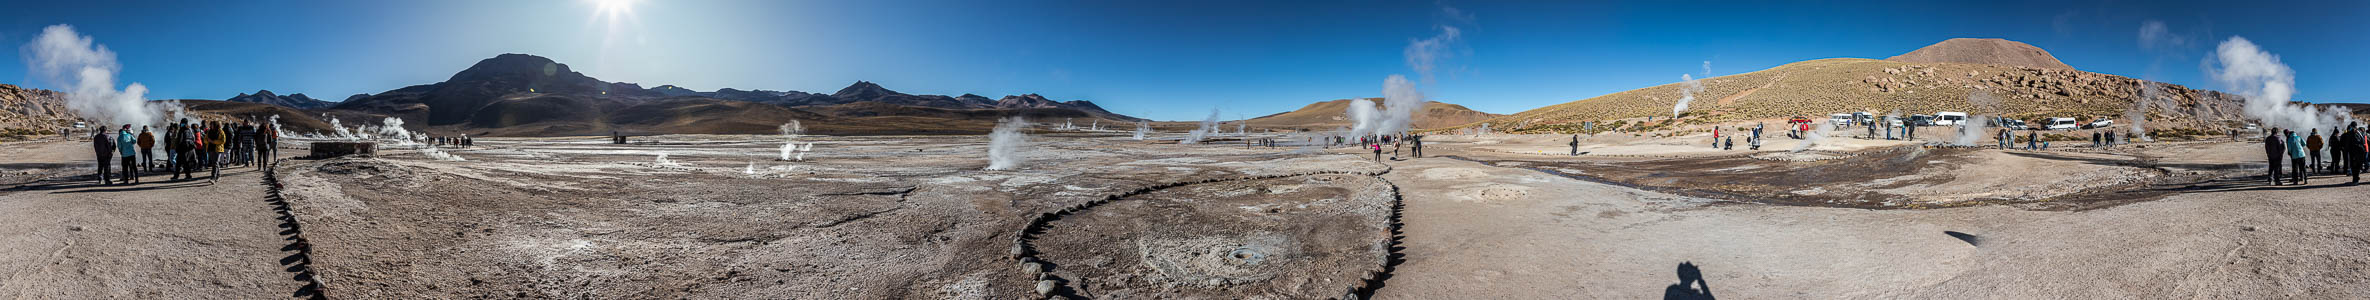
(2274, 153)
(127, 144)
(105, 147)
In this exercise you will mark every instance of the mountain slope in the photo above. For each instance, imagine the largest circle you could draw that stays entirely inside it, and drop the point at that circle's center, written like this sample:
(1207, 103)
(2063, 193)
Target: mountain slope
(27, 111)
(1983, 51)
(1328, 115)
(1819, 87)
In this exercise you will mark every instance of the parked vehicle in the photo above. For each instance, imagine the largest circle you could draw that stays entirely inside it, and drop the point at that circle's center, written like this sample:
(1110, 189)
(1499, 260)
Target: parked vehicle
(2101, 123)
(1950, 118)
(1863, 118)
(1921, 120)
(1840, 119)
(2063, 124)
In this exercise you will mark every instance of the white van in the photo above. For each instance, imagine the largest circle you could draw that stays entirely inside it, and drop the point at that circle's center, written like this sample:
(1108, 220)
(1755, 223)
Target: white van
(2063, 124)
(1840, 120)
(1950, 118)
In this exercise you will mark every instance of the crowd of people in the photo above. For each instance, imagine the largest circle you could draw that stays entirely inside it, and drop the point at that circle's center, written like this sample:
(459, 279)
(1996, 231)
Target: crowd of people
(2301, 154)
(206, 146)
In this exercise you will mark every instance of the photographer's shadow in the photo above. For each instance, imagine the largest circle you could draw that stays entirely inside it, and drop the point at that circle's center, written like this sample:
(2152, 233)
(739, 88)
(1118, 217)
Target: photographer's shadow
(1691, 285)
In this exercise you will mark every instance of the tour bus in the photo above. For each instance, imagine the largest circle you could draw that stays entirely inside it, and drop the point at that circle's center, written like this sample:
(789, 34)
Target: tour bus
(1950, 118)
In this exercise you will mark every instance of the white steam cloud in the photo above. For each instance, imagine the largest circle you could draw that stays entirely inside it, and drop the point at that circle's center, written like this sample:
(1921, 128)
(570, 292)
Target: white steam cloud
(1688, 87)
(87, 70)
(2268, 86)
(1424, 55)
(1142, 128)
(2137, 115)
(1004, 144)
(1400, 100)
(1812, 138)
(1208, 127)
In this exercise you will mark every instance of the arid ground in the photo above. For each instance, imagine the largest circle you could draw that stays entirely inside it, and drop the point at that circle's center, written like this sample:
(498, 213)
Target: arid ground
(1101, 215)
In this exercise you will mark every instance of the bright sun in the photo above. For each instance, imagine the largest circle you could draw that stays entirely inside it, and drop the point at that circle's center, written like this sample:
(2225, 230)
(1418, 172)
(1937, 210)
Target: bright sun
(613, 8)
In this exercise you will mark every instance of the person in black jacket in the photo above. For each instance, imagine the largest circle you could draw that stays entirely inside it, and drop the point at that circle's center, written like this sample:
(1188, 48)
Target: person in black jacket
(105, 146)
(2274, 151)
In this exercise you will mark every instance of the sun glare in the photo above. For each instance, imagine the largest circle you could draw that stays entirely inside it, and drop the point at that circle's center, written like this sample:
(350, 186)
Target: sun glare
(613, 8)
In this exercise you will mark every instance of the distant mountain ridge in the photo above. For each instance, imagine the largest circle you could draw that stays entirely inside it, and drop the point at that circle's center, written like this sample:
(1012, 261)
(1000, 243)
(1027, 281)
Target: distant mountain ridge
(519, 94)
(297, 100)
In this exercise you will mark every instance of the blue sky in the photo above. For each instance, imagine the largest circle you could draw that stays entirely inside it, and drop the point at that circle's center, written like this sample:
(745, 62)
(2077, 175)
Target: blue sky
(1169, 60)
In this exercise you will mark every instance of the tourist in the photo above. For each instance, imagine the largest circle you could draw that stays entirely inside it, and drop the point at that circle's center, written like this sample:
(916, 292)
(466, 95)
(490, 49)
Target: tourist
(1728, 144)
(147, 156)
(2094, 140)
(125, 143)
(2344, 149)
(217, 137)
(1418, 140)
(2295, 157)
(2032, 140)
(1575, 145)
(2273, 153)
(105, 147)
(266, 138)
(2312, 147)
(1377, 151)
(172, 150)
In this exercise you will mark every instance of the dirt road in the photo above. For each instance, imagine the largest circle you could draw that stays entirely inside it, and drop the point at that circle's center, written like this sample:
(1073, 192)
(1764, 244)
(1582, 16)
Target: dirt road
(1481, 232)
(64, 239)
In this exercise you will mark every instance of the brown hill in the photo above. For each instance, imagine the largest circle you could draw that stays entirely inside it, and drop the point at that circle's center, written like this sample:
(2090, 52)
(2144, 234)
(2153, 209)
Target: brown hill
(1983, 51)
(1328, 115)
(32, 112)
(1819, 87)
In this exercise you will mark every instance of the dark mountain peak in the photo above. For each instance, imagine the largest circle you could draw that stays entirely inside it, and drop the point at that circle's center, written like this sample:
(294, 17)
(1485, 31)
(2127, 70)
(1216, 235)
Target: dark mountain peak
(298, 100)
(864, 90)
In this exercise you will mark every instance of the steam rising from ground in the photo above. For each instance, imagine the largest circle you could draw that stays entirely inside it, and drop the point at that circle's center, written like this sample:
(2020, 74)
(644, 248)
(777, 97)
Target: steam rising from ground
(1208, 127)
(1812, 138)
(2268, 85)
(1004, 144)
(1688, 87)
(87, 72)
(1397, 115)
(790, 148)
(1142, 128)
(1972, 130)
(2137, 115)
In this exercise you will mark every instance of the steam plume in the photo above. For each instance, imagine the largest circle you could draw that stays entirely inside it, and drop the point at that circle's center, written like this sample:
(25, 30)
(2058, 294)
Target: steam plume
(87, 71)
(1141, 129)
(1208, 127)
(1688, 87)
(2138, 113)
(1400, 100)
(1004, 144)
(1812, 138)
(2268, 85)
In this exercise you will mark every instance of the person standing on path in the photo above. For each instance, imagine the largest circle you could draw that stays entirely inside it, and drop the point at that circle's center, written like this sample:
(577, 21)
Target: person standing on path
(125, 143)
(2274, 152)
(2295, 157)
(172, 155)
(105, 147)
(1575, 145)
(147, 154)
(216, 139)
(2312, 147)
